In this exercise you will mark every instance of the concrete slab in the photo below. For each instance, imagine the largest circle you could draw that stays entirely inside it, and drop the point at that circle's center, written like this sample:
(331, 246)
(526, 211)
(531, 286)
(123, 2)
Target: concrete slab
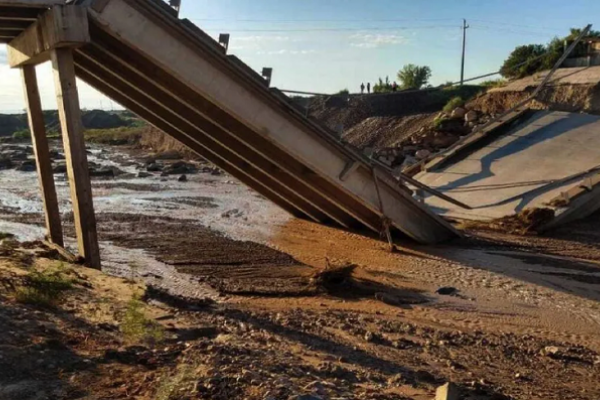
(563, 76)
(525, 168)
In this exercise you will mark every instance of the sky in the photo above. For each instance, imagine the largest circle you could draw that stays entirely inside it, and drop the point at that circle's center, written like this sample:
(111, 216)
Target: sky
(325, 46)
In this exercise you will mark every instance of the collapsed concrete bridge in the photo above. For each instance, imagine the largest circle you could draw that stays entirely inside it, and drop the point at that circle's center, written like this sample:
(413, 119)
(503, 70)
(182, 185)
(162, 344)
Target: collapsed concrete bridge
(177, 78)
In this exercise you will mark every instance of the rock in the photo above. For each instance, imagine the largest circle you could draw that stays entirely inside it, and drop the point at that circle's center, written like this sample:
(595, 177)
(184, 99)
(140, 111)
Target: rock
(182, 178)
(443, 140)
(550, 351)
(306, 397)
(143, 174)
(154, 167)
(447, 392)
(102, 172)
(422, 154)
(178, 168)
(369, 336)
(5, 163)
(27, 166)
(447, 291)
(471, 116)
(59, 169)
(168, 155)
(424, 376)
(458, 113)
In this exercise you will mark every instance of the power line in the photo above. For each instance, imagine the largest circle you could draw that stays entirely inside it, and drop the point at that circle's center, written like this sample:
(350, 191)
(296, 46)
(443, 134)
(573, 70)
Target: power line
(517, 32)
(391, 28)
(515, 25)
(321, 20)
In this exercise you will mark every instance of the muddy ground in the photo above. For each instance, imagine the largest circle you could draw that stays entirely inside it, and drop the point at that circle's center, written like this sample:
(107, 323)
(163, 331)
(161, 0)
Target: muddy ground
(258, 305)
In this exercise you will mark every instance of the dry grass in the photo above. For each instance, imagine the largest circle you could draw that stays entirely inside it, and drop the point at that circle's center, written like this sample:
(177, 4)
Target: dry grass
(137, 327)
(45, 288)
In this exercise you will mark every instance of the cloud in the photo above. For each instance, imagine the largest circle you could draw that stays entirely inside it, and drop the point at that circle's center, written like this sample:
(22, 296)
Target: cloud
(285, 51)
(255, 42)
(3, 56)
(372, 41)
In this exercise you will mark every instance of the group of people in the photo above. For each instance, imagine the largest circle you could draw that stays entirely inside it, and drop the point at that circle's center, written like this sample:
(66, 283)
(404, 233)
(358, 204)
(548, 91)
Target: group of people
(368, 87)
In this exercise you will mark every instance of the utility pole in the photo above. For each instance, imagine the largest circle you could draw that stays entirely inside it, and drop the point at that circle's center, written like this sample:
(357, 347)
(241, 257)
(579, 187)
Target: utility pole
(464, 48)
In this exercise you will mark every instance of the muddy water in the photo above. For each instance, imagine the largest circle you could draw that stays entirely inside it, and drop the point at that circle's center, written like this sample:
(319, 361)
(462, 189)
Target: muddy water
(205, 200)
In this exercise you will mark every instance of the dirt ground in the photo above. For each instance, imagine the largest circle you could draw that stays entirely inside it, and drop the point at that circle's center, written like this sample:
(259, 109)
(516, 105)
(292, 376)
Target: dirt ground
(311, 313)
(322, 313)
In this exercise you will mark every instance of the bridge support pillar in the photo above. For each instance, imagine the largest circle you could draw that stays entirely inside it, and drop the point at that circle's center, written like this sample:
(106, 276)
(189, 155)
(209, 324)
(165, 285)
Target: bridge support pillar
(75, 154)
(42, 154)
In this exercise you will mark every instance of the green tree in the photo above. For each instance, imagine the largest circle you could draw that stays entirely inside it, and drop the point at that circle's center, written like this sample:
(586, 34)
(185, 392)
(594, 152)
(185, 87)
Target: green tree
(524, 61)
(413, 76)
(528, 59)
(383, 87)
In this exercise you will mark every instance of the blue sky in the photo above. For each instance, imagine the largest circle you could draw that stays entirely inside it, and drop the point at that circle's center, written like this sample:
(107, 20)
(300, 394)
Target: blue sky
(327, 45)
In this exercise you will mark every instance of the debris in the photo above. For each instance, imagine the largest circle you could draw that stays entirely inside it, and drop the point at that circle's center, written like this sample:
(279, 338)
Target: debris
(458, 113)
(447, 392)
(447, 291)
(471, 116)
(422, 154)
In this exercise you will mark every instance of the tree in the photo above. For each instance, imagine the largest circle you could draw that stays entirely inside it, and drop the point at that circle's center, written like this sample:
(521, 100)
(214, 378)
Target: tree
(524, 61)
(383, 87)
(413, 76)
(529, 59)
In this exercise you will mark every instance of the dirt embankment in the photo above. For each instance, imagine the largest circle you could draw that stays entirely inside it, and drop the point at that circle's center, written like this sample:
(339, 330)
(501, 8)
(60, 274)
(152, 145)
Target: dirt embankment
(570, 98)
(383, 120)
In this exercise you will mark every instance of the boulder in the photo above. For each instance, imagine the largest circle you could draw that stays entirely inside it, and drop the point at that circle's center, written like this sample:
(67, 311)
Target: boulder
(60, 169)
(168, 155)
(5, 163)
(154, 167)
(443, 140)
(143, 174)
(458, 113)
(471, 116)
(182, 178)
(422, 154)
(179, 168)
(104, 172)
(27, 166)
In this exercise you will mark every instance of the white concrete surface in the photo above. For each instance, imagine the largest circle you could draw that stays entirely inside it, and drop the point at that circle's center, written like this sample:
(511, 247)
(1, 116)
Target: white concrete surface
(516, 171)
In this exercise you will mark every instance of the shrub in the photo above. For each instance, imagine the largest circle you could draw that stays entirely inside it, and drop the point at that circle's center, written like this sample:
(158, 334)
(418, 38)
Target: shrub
(182, 380)
(343, 92)
(22, 134)
(492, 83)
(454, 102)
(5, 235)
(45, 288)
(136, 327)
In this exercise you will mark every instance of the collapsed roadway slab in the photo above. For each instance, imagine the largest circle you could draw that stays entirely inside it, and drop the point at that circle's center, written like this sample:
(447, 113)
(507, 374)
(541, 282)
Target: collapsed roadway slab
(548, 160)
(177, 78)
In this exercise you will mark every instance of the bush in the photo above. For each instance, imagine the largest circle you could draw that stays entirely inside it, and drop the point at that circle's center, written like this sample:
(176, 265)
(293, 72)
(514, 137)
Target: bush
(115, 136)
(5, 235)
(383, 87)
(454, 102)
(343, 92)
(136, 327)
(493, 83)
(45, 288)
(22, 134)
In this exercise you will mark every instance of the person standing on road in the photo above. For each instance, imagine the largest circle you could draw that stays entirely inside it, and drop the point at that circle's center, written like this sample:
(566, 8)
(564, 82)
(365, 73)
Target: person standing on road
(369, 87)
(394, 86)
(362, 88)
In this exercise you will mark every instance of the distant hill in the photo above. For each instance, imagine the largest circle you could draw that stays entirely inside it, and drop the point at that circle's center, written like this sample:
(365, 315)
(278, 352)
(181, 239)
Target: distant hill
(92, 119)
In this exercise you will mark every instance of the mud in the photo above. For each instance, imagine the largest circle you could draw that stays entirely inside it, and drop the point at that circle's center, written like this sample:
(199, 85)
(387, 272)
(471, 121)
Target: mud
(298, 302)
